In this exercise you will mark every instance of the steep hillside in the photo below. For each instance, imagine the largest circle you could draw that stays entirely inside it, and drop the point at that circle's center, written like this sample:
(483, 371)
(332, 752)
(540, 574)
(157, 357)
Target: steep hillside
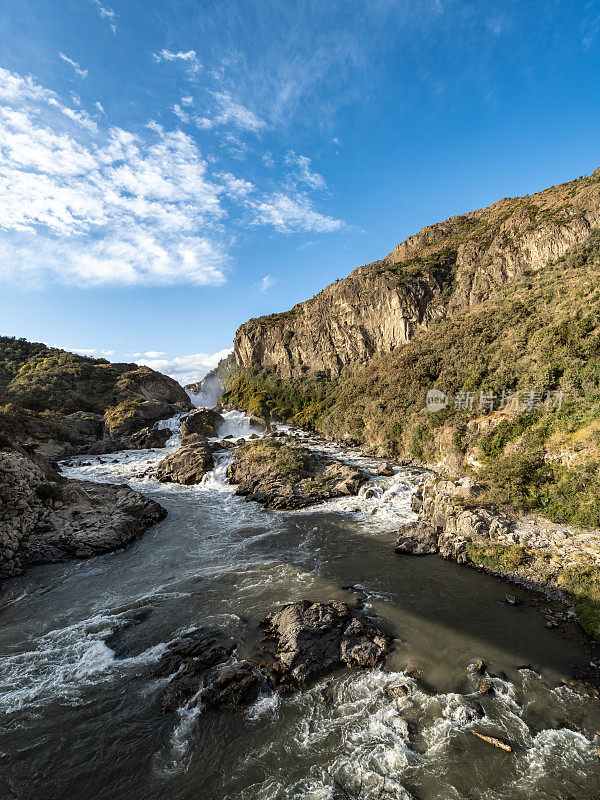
(47, 394)
(445, 269)
(534, 330)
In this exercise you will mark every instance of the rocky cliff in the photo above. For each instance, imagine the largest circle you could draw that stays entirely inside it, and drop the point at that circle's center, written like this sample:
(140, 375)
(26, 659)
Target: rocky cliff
(442, 270)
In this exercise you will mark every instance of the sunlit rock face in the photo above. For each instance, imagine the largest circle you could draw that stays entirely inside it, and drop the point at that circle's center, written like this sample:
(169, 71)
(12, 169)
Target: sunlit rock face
(443, 269)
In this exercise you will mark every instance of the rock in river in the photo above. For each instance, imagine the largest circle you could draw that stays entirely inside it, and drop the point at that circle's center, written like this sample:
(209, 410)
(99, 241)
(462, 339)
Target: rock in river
(189, 464)
(281, 476)
(43, 521)
(304, 641)
(308, 640)
(204, 421)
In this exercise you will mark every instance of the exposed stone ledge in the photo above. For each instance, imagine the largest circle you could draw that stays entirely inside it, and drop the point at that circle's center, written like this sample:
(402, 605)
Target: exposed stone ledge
(42, 521)
(529, 550)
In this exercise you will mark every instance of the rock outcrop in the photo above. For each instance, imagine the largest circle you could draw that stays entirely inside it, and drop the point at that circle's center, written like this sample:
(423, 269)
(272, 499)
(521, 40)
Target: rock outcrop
(44, 521)
(189, 464)
(443, 269)
(309, 640)
(529, 549)
(281, 476)
(204, 421)
(304, 641)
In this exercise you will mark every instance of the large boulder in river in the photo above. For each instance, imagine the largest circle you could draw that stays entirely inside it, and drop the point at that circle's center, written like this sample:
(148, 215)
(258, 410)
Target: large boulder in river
(305, 641)
(189, 464)
(132, 415)
(281, 476)
(309, 640)
(148, 438)
(203, 421)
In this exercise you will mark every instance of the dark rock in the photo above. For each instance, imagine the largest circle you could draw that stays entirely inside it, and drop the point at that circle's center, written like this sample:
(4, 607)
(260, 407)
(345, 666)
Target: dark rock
(204, 421)
(386, 470)
(44, 522)
(257, 423)
(416, 539)
(485, 686)
(512, 600)
(188, 658)
(396, 692)
(148, 438)
(189, 464)
(309, 639)
(413, 671)
(236, 687)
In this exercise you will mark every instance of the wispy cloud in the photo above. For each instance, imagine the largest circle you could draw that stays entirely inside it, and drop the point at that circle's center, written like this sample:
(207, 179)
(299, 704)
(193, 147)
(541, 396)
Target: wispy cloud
(189, 58)
(231, 112)
(290, 214)
(83, 73)
(92, 207)
(107, 13)
(266, 283)
(128, 209)
(90, 351)
(302, 173)
(181, 115)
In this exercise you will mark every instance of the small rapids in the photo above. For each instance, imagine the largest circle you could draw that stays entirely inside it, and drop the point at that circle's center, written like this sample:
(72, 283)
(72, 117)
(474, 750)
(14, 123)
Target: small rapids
(80, 715)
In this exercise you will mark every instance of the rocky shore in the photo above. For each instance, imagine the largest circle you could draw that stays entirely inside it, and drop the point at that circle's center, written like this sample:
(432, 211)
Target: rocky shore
(44, 521)
(560, 561)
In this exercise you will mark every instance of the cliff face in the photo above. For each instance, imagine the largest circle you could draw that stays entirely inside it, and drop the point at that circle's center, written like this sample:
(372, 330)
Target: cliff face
(444, 269)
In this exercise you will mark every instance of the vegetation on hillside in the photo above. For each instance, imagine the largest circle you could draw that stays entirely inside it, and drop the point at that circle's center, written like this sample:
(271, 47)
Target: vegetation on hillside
(40, 384)
(537, 335)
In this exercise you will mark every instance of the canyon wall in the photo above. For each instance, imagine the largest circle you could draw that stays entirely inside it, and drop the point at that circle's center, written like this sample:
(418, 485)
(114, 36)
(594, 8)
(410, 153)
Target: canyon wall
(444, 269)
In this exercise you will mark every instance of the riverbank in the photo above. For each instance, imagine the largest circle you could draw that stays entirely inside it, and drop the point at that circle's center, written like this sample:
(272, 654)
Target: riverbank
(561, 562)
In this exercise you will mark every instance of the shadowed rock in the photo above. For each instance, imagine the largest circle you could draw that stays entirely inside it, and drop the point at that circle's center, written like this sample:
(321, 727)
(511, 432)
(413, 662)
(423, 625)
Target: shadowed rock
(308, 640)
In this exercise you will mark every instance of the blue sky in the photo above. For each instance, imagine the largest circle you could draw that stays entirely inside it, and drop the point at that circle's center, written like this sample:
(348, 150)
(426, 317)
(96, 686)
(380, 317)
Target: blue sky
(170, 168)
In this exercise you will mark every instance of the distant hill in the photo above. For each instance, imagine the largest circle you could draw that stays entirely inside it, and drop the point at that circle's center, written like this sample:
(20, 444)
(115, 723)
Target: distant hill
(42, 388)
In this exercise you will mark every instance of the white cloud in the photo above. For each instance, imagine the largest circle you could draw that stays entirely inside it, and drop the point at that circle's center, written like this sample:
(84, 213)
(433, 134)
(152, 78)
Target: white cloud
(266, 283)
(89, 351)
(230, 112)
(291, 214)
(185, 369)
(236, 188)
(100, 107)
(129, 210)
(90, 207)
(302, 173)
(268, 160)
(106, 13)
(187, 100)
(189, 58)
(182, 115)
(83, 73)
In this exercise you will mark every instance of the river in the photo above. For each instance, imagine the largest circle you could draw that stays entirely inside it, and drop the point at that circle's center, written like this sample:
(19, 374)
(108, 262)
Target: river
(80, 714)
